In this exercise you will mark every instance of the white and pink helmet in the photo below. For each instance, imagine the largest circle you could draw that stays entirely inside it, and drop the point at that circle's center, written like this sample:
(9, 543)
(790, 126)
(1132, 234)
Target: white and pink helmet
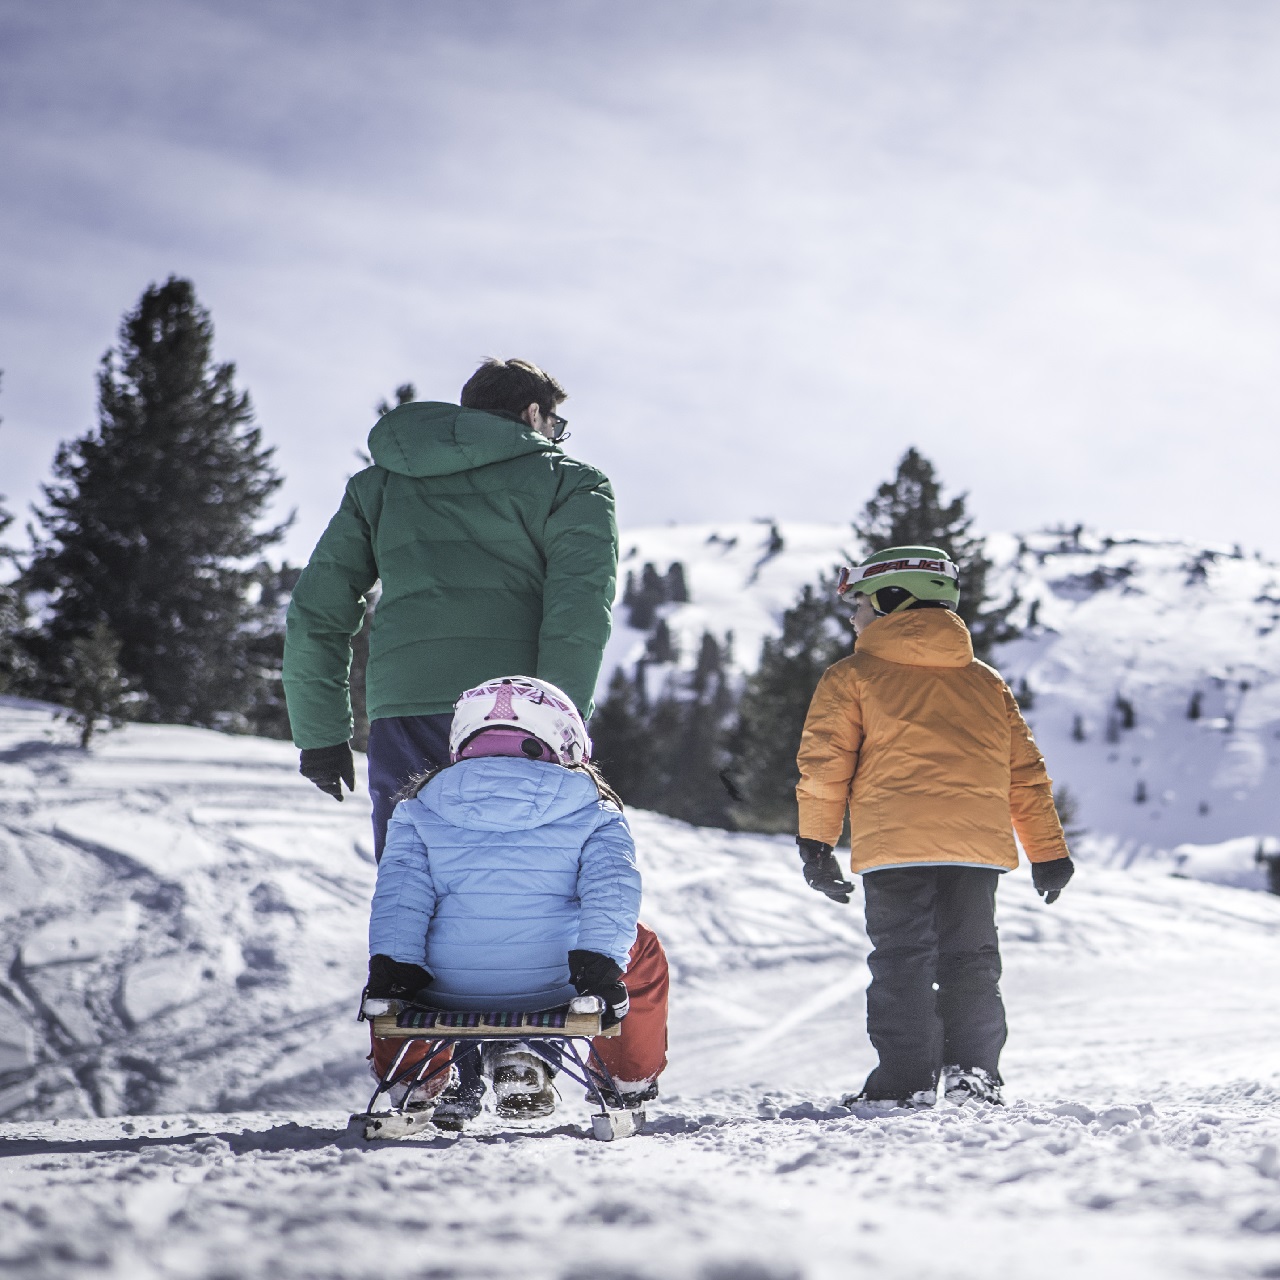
(518, 716)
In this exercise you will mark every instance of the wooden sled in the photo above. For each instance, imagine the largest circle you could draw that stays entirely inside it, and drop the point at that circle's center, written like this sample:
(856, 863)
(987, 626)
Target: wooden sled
(568, 1030)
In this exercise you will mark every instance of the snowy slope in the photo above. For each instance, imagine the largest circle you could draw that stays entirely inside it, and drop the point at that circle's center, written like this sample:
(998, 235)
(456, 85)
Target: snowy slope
(1154, 622)
(171, 895)
(1159, 624)
(159, 896)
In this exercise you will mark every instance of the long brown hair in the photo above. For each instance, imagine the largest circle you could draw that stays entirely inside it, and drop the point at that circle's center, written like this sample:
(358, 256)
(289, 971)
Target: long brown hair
(605, 791)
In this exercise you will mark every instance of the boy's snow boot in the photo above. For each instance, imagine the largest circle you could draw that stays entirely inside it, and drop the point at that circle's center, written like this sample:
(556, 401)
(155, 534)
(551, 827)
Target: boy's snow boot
(461, 1101)
(522, 1086)
(922, 1100)
(972, 1084)
(618, 1098)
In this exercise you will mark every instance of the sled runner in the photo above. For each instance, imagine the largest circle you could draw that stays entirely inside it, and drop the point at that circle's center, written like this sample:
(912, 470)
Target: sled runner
(561, 1037)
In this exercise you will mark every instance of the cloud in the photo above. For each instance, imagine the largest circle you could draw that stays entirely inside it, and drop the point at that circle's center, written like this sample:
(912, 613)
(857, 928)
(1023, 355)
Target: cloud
(766, 246)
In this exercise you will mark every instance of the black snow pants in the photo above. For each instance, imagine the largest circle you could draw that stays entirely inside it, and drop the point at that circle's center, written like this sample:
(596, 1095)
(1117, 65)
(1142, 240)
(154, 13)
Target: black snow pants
(934, 998)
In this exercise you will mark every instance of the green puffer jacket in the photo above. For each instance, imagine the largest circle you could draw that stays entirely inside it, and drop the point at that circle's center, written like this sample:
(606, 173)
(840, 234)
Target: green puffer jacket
(498, 556)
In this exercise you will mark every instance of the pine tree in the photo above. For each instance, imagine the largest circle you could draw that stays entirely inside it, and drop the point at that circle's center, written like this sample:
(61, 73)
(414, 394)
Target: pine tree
(642, 601)
(667, 754)
(910, 510)
(620, 738)
(1068, 808)
(10, 614)
(267, 714)
(405, 393)
(96, 689)
(151, 518)
(688, 730)
(1125, 712)
(661, 647)
(17, 672)
(774, 702)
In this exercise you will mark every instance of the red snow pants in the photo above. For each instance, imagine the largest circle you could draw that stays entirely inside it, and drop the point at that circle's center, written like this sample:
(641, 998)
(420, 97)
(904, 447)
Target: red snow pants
(639, 1054)
(635, 1057)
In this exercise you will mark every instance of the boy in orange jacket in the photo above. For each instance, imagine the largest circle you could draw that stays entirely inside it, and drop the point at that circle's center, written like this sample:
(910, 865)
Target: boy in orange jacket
(928, 750)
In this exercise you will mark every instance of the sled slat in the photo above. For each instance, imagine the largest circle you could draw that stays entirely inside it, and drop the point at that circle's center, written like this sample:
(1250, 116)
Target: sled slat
(487, 1025)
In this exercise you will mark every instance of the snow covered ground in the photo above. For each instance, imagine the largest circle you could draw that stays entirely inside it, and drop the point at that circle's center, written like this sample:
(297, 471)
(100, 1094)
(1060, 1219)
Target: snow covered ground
(181, 937)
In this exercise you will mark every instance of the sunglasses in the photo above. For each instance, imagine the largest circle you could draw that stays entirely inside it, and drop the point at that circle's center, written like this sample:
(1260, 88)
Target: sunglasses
(557, 425)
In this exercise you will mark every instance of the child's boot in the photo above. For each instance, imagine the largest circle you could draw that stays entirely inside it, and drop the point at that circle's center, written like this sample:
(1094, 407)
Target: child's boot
(626, 1097)
(461, 1100)
(972, 1084)
(522, 1086)
(921, 1100)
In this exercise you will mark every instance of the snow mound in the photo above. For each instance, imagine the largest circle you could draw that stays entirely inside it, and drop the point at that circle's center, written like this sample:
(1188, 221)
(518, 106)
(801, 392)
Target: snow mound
(162, 898)
(1241, 863)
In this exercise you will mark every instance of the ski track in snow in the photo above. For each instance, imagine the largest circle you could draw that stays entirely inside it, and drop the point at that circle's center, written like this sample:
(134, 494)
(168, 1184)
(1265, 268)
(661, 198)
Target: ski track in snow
(166, 897)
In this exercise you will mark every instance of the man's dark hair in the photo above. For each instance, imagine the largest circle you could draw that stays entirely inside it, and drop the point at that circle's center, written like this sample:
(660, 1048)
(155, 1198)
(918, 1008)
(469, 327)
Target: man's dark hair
(511, 386)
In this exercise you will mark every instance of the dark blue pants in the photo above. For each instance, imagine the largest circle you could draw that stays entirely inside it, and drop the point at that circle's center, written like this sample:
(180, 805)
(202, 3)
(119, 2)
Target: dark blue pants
(400, 748)
(934, 998)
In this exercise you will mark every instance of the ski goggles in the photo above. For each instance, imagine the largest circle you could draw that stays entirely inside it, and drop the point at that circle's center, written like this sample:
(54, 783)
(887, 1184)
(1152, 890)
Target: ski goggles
(855, 578)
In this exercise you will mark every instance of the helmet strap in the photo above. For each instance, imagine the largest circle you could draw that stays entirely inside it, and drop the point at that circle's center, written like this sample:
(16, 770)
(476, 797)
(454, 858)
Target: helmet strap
(906, 603)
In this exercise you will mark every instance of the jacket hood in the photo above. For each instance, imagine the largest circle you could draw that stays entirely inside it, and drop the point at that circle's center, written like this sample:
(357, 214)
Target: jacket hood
(919, 638)
(500, 793)
(428, 438)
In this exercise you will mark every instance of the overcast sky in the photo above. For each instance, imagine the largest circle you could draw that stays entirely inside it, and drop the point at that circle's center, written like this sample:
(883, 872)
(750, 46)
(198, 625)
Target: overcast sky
(765, 245)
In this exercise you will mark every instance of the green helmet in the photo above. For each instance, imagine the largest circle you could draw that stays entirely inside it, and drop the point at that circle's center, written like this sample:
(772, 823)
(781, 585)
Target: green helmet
(926, 573)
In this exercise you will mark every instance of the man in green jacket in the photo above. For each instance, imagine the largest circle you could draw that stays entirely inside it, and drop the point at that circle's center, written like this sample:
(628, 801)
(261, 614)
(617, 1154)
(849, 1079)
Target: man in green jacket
(497, 555)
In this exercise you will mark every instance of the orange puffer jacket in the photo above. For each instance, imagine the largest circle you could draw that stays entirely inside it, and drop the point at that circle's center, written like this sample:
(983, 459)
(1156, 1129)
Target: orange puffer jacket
(928, 749)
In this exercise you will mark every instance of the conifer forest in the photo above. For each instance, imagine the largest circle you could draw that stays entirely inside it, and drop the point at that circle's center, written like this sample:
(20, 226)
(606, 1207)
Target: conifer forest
(148, 592)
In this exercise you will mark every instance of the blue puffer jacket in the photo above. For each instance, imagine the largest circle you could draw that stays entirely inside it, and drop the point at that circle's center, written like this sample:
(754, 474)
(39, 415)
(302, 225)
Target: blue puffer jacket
(494, 872)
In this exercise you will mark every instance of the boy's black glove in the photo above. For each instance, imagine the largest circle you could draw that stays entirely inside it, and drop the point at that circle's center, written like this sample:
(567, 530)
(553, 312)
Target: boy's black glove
(1050, 878)
(395, 980)
(595, 975)
(329, 768)
(822, 871)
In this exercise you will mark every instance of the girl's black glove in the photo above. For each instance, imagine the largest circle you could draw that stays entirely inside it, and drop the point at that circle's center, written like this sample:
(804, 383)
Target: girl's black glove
(329, 768)
(595, 975)
(1050, 878)
(822, 871)
(395, 980)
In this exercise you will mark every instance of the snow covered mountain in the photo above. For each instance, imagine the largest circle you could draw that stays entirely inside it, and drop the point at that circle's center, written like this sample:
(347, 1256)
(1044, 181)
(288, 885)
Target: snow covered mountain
(1149, 668)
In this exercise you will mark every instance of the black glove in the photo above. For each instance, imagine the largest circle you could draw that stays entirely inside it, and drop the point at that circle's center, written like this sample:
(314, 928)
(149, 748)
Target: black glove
(1050, 878)
(822, 871)
(329, 768)
(595, 975)
(394, 980)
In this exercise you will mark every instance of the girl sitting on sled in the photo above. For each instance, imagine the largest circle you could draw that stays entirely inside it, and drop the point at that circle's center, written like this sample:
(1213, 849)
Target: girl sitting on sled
(509, 882)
